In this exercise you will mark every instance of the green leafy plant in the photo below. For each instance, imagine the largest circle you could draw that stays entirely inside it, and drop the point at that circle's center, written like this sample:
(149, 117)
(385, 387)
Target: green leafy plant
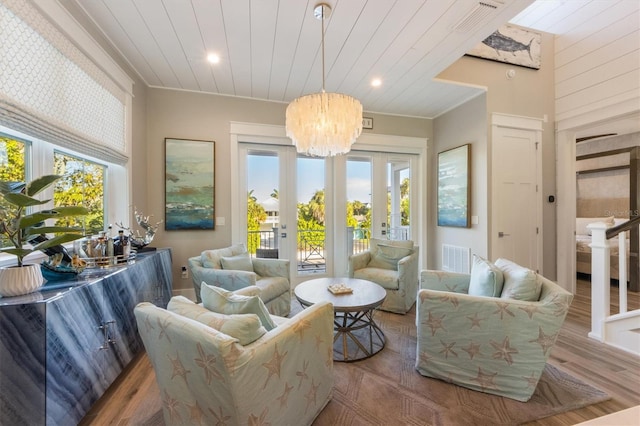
(21, 228)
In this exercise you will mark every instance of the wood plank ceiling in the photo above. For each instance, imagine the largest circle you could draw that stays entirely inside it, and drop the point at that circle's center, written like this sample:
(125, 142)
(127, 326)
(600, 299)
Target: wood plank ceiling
(270, 49)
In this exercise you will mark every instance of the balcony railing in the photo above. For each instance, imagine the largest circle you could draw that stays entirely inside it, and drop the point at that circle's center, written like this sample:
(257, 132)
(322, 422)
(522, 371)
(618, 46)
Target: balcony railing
(310, 257)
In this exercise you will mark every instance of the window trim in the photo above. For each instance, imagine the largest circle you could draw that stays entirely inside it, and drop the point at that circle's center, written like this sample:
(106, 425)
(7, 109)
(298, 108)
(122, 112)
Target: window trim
(40, 162)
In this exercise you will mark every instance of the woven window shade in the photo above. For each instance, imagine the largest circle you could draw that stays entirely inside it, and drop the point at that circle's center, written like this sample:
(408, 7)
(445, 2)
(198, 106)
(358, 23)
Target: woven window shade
(53, 91)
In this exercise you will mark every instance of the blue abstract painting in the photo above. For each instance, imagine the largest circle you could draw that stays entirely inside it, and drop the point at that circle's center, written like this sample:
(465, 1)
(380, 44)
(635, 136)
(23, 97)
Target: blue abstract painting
(189, 184)
(453, 187)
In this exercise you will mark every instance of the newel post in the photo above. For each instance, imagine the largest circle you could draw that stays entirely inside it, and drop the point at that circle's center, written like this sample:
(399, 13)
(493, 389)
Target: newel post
(600, 279)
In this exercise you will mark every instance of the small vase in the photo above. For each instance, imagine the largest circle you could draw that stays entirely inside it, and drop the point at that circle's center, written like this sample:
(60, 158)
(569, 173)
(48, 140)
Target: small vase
(19, 280)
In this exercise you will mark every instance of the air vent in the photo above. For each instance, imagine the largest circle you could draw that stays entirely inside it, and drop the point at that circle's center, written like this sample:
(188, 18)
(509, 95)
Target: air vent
(456, 259)
(477, 15)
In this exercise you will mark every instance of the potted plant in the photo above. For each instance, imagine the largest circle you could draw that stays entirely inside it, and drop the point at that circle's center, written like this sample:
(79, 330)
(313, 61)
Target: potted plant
(26, 231)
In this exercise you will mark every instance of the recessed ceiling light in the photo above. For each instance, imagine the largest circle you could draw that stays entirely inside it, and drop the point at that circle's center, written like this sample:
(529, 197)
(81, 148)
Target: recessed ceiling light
(213, 58)
(376, 82)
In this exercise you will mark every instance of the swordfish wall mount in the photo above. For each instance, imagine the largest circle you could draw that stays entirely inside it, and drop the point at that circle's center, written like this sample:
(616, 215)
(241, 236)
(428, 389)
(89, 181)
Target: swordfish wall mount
(511, 45)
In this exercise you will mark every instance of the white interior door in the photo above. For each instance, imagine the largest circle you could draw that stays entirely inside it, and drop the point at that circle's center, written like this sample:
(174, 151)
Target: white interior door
(516, 207)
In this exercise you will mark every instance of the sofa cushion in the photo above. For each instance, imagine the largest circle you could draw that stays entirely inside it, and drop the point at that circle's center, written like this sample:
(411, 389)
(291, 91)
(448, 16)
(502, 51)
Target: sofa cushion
(211, 258)
(486, 278)
(219, 300)
(246, 328)
(240, 262)
(375, 242)
(387, 254)
(386, 278)
(272, 287)
(519, 282)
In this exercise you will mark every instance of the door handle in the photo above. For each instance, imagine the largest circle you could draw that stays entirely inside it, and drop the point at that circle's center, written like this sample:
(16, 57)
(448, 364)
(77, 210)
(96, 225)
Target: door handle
(502, 234)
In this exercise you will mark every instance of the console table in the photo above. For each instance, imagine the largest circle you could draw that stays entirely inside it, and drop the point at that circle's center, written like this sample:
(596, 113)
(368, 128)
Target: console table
(61, 347)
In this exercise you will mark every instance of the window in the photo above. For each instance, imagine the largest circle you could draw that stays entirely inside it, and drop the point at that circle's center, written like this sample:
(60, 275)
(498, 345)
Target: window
(12, 160)
(12, 167)
(84, 181)
(82, 184)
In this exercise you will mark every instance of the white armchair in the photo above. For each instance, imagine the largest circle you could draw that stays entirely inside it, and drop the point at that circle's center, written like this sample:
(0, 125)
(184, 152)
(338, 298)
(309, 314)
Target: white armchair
(207, 377)
(493, 344)
(394, 266)
(231, 268)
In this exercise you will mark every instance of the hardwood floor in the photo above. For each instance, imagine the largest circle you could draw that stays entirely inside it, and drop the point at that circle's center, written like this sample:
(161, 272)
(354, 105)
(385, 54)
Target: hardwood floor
(134, 399)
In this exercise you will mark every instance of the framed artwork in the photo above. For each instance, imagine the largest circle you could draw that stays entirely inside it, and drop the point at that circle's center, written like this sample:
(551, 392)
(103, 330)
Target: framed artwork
(511, 45)
(189, 184)
(454, 182)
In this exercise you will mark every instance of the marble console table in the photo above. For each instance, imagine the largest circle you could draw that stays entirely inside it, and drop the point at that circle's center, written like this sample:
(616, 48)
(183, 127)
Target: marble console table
(61, 347)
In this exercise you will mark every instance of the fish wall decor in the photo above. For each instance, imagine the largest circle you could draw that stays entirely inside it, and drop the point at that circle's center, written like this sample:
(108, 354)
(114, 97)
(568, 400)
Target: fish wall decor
(512, 45)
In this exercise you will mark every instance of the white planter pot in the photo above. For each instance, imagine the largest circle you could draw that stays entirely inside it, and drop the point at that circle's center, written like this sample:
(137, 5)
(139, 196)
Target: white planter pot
(16, 280)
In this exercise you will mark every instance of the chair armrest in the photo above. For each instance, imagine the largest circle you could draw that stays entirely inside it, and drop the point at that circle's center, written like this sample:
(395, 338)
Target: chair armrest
(298, 351)
(252, 290)
(358, 261)
(271, 267)
(444, 281)
(227, 279)
(408, 265)
(440, 315)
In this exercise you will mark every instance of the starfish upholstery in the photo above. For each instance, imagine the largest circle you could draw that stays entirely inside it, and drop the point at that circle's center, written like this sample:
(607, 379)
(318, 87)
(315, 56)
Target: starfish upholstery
(268, 277)
(497, 345)
(207, 377)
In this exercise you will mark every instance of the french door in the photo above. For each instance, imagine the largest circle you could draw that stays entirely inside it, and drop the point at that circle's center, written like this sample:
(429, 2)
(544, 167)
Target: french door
(379, 192)
(286, 208)
(317, 211)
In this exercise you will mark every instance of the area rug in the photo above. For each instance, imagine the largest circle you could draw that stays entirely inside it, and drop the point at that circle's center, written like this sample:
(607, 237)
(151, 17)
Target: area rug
(386, 389)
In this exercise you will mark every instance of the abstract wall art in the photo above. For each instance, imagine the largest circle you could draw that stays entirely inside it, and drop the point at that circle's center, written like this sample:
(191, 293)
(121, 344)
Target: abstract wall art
(454, 181)
(189, 184)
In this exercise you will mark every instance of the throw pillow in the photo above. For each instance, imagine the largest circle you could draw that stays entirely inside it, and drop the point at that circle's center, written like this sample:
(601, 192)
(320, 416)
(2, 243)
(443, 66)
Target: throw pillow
(375, 242)
(211, 258)
(387, 256)
(246, 328)
(219, 300)
(241, 262)
(519, 282)
(486, 278)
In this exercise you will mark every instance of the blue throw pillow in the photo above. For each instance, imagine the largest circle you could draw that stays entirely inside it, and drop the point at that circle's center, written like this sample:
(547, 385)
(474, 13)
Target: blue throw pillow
(486, 278)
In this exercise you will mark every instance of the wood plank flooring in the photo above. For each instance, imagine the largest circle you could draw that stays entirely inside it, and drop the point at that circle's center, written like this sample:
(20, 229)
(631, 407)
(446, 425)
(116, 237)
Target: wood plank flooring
(134, 398)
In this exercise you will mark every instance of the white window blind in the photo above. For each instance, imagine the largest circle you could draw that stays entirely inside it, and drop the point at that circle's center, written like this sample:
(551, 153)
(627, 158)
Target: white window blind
(52, 90)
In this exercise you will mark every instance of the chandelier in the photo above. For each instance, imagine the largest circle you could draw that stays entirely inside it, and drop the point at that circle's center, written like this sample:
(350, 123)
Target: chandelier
(324, 124)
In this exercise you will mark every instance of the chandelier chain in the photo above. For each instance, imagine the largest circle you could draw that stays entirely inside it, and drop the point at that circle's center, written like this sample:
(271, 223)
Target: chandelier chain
(322, 47)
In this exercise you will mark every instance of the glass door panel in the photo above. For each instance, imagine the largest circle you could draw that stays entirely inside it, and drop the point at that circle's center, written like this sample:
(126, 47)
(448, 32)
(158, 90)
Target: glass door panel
(398, 206)
(263, 203)
(311, 213)
(285, 207)
(358, 203)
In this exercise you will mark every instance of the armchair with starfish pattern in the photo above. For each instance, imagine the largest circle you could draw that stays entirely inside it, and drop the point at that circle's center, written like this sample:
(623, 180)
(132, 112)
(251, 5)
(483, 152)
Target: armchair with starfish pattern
(231, 268)
(497, 345)
(207, 377)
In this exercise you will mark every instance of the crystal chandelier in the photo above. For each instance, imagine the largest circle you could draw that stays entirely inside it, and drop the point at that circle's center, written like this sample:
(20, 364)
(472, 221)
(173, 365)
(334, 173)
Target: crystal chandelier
(324, 124)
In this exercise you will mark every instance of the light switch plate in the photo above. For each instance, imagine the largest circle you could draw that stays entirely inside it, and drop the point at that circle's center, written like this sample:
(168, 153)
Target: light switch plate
(220, 221)
(367, 123)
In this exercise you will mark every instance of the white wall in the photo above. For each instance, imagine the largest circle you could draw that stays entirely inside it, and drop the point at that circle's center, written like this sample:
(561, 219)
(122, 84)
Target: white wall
(530, 94)
(189, 115)
(597, 65)
(465, 124)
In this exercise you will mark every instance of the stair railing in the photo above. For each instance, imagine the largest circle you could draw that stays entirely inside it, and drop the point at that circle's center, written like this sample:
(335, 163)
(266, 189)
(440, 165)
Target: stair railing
(601, 232)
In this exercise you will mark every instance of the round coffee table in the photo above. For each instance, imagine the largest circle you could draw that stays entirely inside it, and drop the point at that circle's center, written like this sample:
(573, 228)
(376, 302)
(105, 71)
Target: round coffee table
(357, 336)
